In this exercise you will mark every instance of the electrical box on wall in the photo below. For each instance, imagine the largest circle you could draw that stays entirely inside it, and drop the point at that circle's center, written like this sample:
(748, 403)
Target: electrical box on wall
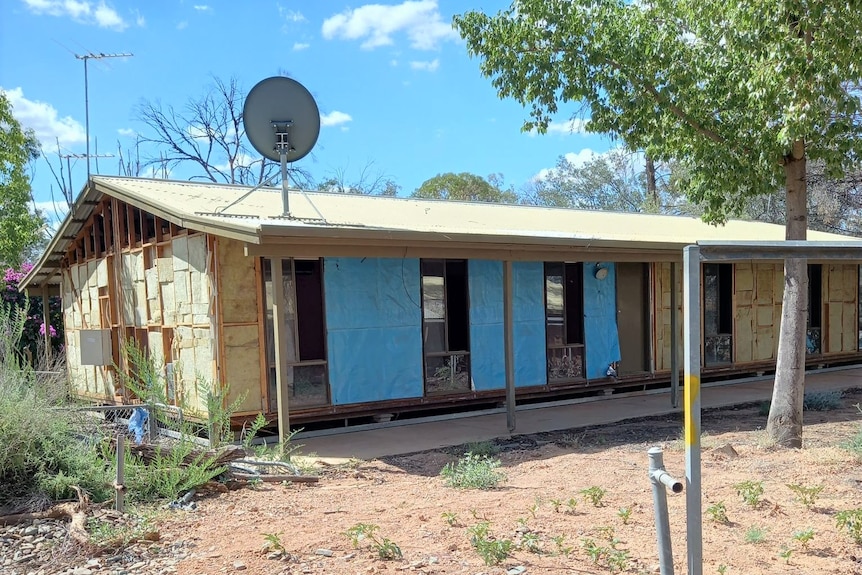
(96, 347)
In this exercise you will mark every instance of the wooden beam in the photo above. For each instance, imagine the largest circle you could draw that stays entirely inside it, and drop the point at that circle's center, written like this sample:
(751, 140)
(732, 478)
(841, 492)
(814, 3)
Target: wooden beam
(508, 339)
(280, 340)
(46, 318)
(261, 335)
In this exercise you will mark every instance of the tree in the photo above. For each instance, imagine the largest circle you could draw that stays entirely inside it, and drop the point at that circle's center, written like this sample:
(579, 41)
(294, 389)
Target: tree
(617, 180)
(466, 187)
(208, 135)
(741, 93)
(20, 229)
(369, 182)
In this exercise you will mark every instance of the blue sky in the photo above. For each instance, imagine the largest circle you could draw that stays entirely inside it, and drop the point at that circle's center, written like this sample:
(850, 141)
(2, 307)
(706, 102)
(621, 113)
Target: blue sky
(394, 83)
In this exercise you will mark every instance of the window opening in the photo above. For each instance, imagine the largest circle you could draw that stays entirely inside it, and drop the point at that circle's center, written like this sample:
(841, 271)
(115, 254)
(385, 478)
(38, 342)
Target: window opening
(446, 326)
(718, 313)
(564, 321)
(305, 328)
(814, 331)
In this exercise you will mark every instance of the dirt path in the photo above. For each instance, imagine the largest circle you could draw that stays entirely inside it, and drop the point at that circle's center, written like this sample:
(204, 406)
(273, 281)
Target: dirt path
(407, 499)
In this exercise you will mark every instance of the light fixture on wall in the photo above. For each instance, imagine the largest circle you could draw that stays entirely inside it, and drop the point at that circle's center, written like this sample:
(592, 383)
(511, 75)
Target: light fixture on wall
(600, 272)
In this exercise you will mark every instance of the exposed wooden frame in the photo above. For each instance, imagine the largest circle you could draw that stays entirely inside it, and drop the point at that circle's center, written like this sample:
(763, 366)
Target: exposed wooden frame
(261, 335)
(279, 340)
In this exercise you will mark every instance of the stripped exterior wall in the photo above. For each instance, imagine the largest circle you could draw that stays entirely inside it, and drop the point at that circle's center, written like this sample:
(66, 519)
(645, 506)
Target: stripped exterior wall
(840, 293)
(758, 291)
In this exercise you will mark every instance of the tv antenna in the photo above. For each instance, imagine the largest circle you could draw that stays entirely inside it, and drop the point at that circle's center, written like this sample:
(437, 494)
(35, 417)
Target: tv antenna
(86, 57)
(282, 122)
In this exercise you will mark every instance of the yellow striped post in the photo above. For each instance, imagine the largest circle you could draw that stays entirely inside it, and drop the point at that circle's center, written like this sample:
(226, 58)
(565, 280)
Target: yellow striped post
(691, 397)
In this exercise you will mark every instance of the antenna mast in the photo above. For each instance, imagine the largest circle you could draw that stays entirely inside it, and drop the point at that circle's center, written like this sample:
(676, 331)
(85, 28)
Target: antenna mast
(86, 57)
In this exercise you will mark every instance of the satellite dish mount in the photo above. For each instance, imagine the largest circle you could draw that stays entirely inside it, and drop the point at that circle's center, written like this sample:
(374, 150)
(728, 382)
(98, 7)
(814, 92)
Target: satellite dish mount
(282, 140)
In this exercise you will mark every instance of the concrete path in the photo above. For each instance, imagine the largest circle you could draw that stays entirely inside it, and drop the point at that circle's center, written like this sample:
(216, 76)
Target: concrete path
(417, 435)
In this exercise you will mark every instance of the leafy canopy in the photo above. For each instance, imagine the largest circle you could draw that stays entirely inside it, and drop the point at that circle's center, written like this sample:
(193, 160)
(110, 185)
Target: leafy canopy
(466, 187)
(725, 87)
(20, 230)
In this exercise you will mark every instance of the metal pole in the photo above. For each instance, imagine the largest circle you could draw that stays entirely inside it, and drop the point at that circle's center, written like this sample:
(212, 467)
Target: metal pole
(121, 473)
(691, 307)
(674, 337)
(658, 479)
(285, 184)
(508, 338)
(87, 113)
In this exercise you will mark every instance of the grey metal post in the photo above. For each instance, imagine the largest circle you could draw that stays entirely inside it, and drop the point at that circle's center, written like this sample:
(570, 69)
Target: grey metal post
(674, 336)
(691, 306)
(659, 478)
(119, 485)
(508, 336)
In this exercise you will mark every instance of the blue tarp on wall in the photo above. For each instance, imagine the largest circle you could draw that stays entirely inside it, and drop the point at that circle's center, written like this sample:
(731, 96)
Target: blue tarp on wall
(528, 295)
(374, 329)
(602, 340)
(487, 354)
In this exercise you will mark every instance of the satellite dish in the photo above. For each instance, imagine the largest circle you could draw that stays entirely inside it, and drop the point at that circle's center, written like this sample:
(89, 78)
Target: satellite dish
(282, 122)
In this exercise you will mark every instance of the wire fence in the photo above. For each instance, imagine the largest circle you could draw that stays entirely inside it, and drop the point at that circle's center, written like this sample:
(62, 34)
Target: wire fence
(140, 423)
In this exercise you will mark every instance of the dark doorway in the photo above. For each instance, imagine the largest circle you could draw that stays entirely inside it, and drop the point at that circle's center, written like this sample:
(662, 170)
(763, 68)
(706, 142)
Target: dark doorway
(633, 317)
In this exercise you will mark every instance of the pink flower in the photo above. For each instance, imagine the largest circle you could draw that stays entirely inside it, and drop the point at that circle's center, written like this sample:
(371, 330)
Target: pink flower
(51, 330)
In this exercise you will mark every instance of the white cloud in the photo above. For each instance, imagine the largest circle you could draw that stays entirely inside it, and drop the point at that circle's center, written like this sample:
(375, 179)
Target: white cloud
(43, 119)
(375, 25)
(80, 11)
(334, 118)
(573, 126)
(291, 15)
(127, 132)
(427, 66)
(297, 46)
(577, 159)
(202, 7)
(139, 19)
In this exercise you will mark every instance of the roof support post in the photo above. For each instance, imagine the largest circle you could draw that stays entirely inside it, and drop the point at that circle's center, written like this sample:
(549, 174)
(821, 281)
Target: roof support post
(691, 390)
(280, 340)
(508, 338)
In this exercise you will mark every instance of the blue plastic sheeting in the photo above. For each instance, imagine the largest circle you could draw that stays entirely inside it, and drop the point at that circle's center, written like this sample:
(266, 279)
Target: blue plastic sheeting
(374, 329)
(487, 352)
(602, 339)
(528, 295)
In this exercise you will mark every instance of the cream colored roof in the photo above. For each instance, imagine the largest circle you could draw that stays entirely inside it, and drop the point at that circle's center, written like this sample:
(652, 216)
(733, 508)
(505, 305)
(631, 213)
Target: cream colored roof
(254, 217)
(197, 203)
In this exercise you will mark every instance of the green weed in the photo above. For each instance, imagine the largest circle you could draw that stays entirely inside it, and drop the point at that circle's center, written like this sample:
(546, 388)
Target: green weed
(473, 472)
(385, 547)
(594, 495)
(450, 518)
(807, 496)
(851, 521)
(804, 537)
(625, 514)
(750, 491)
(492, 550)
(755, 535)
(718, 512)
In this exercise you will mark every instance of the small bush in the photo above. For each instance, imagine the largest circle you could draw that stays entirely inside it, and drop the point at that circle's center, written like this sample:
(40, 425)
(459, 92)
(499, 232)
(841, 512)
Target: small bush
(473, 472)
(821, 401)
(594, 495)
(385, 547)
(481, 448)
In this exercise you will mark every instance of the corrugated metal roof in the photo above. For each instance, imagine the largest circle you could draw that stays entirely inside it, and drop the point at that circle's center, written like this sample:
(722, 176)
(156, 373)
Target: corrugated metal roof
(254, 216)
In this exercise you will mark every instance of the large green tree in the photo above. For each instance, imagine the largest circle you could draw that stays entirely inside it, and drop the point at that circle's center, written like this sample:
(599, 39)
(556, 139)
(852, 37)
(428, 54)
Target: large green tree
(20, 228)
(466, 187)
(741, 93)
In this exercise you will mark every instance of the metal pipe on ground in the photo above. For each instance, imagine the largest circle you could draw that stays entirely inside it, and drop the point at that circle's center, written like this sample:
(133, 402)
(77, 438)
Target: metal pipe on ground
(661, 479)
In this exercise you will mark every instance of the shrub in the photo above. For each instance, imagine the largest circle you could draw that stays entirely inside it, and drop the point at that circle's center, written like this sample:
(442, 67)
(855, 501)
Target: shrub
(32, 336)
(718, 512)
(750, 491)
(594, 495)
(41, 456)
(473, 472)
(755, 535)
(492, 550)
(821, 401)
(807, 496)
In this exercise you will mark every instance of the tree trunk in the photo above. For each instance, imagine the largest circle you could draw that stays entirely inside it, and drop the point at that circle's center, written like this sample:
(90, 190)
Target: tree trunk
(785, 414)
(652, 191)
